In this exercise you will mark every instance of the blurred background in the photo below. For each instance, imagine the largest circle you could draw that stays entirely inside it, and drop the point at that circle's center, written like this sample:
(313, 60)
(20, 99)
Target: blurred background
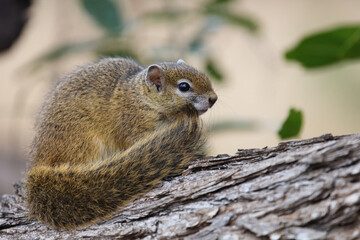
(240, 44)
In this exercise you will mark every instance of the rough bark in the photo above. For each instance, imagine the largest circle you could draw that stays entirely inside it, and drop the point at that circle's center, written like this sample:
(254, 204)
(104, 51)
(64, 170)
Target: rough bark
(303, 189)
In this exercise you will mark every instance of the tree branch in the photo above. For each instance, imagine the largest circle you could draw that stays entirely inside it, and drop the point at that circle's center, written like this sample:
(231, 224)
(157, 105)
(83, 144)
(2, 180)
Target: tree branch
(303, 189)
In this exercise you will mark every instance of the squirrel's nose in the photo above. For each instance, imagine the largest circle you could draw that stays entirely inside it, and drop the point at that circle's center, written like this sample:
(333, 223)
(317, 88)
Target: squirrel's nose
(212, 100)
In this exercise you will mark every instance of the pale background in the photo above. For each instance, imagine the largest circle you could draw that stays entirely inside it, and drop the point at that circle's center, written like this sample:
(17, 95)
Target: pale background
(261, 86)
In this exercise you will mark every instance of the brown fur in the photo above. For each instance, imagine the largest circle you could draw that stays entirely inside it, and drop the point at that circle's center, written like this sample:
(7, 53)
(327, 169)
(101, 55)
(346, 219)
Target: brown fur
(105, 136)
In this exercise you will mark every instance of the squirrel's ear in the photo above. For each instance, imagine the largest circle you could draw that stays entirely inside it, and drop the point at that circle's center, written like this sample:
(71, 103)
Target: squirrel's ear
(155, 76)
(180, 61)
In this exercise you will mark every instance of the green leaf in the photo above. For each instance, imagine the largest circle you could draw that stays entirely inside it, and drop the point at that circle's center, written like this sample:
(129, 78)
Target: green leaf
(105, 13)
(243, 21)
(232, 125)
(196, 44)
(60, 52)
(292, 125)
(217, 2)
(107, 46)
(213, 70)
(236, 19)
(329, 47)
(166, 15)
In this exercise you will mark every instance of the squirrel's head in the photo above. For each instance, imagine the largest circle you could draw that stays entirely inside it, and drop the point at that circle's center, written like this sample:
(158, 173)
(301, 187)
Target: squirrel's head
(179, 85)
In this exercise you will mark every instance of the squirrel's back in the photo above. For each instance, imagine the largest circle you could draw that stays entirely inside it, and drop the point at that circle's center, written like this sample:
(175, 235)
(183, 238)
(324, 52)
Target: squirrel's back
(109, 132)
(77, 111)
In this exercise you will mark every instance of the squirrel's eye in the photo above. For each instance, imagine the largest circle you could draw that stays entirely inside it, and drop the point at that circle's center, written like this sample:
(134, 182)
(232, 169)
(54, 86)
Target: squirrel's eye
(184, 87)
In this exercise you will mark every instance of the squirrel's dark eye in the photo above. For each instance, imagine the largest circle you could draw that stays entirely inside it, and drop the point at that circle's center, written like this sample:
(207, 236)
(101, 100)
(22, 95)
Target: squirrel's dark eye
(184, 87)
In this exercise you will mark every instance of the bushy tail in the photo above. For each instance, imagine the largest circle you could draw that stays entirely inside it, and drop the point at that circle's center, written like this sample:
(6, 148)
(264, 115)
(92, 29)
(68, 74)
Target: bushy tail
(67, 197)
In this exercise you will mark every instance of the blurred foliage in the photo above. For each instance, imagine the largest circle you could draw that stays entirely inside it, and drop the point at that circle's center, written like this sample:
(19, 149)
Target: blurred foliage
(221, 9)
(292, 125)
(232, 125)
(328, 47)
(105, 13)
(108, 14)
(213, 70)
(321, 49)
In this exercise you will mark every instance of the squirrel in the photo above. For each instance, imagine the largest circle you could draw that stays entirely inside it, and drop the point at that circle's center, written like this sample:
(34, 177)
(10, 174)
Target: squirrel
(109, 132)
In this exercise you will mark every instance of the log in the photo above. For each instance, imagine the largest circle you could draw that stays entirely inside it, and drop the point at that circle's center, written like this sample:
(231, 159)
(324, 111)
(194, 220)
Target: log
(302, 189)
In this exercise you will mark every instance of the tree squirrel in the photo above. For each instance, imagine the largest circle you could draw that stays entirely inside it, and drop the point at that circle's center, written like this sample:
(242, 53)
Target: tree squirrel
(109, 132)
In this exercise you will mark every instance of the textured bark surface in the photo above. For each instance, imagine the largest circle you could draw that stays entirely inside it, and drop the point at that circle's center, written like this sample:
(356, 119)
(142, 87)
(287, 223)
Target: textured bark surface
(303, 189)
